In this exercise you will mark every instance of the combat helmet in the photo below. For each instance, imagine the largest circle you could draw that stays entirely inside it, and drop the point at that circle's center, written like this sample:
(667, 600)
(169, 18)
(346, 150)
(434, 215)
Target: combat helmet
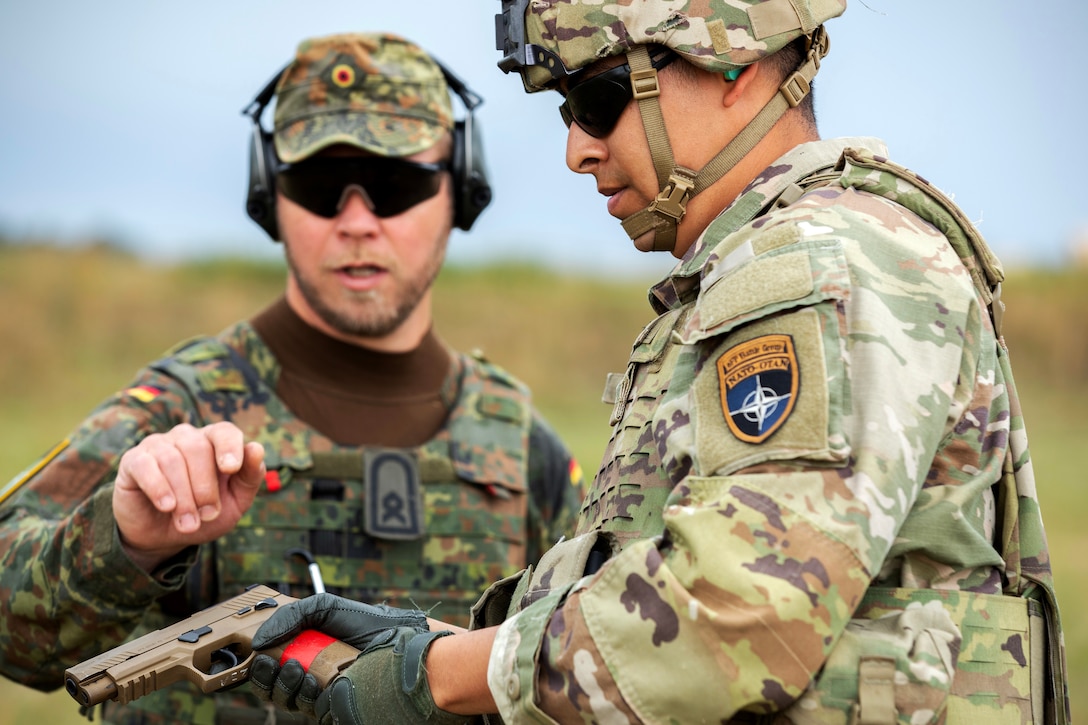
(548, 40)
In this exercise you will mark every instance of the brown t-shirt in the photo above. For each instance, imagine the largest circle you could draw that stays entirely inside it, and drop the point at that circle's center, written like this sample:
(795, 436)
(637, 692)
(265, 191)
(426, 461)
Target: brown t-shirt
(354, 395)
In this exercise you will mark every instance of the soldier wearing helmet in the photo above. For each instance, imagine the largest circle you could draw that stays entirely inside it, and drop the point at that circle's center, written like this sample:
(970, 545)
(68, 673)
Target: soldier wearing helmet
(817, 503)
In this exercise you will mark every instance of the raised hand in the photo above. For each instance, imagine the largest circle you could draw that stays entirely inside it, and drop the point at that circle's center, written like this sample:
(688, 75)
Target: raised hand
(185, 487)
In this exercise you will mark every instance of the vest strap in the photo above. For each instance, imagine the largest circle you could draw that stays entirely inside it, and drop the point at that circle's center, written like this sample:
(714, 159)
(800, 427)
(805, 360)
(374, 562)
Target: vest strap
(876, 691)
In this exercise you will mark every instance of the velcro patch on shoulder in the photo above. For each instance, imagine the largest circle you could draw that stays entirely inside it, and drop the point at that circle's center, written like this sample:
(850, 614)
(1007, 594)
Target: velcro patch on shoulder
(759, 380)
(498, 406)
(764, 282)
(198, 349)
(226, 379)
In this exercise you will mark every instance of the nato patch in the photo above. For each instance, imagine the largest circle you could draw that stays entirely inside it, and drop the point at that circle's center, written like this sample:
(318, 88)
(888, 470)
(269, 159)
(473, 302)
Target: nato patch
(394, 496)
(759, 380)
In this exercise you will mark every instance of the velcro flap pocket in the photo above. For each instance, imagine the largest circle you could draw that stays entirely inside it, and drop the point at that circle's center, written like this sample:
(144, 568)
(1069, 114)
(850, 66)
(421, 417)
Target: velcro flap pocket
(898, 668)
(746, 287)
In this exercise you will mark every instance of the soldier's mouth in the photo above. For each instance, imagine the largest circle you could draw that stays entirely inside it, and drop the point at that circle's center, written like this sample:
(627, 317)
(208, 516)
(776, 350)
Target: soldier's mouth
(360, 272)
(614, 195)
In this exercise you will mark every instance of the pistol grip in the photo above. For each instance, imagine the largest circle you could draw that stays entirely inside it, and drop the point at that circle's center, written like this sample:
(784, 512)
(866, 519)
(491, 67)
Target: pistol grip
(322, 656)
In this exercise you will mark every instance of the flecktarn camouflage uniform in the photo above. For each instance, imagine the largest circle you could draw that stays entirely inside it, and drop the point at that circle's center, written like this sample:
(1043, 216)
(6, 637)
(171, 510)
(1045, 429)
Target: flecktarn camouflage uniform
(817, 494)
(427, 527)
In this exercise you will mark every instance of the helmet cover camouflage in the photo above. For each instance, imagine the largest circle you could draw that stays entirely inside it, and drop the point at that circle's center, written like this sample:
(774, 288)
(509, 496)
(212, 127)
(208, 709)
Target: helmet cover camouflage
(377, 92)
(715, 35)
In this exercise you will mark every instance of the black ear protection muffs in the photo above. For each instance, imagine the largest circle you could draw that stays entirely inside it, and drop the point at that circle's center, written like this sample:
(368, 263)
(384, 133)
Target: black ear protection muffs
(471, 190)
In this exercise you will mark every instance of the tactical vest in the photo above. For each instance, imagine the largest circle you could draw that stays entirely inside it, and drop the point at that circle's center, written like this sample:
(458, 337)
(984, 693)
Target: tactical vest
(628, 495)
(429, 527)
(999, 648)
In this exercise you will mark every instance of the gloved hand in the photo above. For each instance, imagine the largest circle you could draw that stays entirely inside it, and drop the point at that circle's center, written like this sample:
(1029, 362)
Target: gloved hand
(349, 621)
(289, 687)
(387, 684)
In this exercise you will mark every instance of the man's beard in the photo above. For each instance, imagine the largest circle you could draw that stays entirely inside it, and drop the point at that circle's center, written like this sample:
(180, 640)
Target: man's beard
(377, 316)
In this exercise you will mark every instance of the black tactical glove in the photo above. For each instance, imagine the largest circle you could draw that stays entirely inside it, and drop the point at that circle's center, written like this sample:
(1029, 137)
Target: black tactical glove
(289, 687)
(387, 684)
(347, 620)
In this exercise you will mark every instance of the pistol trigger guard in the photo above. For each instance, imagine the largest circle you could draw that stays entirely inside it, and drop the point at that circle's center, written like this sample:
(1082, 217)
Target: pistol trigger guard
(222, 660)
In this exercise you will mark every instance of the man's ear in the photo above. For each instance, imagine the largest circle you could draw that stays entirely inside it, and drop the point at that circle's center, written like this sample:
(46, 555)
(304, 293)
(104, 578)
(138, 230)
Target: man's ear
(735, 89)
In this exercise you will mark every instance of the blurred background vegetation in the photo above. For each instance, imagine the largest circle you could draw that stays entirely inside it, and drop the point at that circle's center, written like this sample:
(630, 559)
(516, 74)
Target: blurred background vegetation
(77, 323)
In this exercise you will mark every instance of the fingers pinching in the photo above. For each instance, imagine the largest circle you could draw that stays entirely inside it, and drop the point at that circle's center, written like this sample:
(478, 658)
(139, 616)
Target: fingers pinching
(140, 470)
(198, 472)
(252, 470)
(228, 444)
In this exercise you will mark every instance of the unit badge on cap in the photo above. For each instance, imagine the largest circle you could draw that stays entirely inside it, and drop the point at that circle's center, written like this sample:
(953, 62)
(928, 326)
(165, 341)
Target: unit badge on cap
(759, 380)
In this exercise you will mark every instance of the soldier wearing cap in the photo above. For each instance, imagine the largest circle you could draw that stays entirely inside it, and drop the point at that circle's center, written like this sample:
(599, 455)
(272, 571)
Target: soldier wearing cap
(817, 504)
(333, 427)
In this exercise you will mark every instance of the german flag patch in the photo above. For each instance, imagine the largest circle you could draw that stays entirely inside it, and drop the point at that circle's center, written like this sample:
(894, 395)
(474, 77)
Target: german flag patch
(144, 393)
(576, 475)
(759, 381)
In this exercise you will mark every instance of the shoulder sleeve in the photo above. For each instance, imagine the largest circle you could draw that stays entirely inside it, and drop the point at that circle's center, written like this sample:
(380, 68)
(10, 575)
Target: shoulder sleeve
(67, 590)
(556, 488)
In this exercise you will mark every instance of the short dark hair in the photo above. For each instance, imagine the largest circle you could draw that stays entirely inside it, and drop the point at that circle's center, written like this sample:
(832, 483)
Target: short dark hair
(782, 64)
(785, 62)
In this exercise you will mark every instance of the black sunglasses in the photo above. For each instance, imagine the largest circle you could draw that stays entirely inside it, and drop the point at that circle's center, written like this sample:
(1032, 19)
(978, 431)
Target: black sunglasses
(392, 185)
(595, 103)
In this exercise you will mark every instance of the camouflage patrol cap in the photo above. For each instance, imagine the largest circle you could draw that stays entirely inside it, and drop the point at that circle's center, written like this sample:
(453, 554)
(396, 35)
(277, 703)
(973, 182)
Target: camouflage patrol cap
(375, 91)
(560, 37)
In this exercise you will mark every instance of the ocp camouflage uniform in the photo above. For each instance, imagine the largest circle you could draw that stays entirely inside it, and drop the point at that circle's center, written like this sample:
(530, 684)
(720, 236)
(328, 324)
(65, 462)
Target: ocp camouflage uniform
(427, 527)
(817, 497)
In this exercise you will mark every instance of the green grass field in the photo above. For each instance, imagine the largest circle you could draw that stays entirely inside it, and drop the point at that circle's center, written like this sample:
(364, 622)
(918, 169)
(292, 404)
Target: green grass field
(78, 323)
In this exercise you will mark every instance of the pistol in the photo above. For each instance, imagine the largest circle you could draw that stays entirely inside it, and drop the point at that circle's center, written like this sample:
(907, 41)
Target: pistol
(211, 649)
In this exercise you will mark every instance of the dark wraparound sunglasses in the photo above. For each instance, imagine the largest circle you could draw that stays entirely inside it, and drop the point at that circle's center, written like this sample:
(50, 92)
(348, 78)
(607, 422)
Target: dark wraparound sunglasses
(596, 102)
(392, 185)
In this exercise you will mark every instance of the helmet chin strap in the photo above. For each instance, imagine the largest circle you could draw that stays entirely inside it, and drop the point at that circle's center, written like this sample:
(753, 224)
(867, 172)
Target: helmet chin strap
(653, 229)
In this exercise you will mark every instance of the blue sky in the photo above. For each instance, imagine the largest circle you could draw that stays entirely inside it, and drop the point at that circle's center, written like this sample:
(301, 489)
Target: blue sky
(121, 119)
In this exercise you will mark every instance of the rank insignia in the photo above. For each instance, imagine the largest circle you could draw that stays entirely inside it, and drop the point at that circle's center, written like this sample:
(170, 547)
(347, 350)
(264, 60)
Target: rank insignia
(394, 496)
(759, 381)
